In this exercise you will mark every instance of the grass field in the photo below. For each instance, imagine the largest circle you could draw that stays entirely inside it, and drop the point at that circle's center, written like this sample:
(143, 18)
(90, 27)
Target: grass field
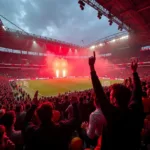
(53, 87)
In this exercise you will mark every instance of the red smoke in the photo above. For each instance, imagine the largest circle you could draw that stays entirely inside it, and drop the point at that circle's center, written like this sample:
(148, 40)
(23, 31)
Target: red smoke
(76, 66)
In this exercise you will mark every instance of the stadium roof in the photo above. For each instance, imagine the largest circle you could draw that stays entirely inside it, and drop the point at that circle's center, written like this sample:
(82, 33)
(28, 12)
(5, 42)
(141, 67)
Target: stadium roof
(134, 15)
(131, 15)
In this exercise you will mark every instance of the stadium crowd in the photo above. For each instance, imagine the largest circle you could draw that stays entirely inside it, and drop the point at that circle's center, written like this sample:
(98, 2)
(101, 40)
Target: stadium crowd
(106, 118)
(32, 73)
(19, 65)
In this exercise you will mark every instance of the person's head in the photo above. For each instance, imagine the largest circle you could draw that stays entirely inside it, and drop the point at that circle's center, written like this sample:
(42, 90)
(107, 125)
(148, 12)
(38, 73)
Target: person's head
(44, 112)
(128, 82)
(2, 112)
(27, 107)
(18, 108)
(89, 94)
(9, 119)
(81, 99)
(66, 98)
(76, 144)
(73, 100)
(119, 95)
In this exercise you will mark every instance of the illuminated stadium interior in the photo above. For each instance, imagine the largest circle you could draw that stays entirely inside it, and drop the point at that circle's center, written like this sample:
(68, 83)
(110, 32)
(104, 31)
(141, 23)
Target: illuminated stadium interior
(75, 75)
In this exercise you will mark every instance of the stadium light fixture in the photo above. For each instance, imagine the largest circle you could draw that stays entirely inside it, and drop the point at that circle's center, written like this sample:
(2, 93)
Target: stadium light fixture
(101, 44)
(93, 47)
(124, 37)
(4, 27)
(113, 41)
(120, 27)
(82, 4)
(82, 7)
(110, 19)
(110, 22)
(34, 42)
(99, 15)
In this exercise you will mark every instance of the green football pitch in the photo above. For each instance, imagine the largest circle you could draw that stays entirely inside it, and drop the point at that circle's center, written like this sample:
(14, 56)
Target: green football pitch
(53, 87)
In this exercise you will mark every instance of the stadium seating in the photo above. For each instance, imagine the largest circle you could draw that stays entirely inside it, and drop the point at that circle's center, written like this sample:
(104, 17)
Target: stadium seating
(17, 103)
(38, 122)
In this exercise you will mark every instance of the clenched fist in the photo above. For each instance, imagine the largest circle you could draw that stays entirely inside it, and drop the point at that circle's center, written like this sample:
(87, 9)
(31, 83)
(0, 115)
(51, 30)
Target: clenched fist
(134, 65)
(92, 59)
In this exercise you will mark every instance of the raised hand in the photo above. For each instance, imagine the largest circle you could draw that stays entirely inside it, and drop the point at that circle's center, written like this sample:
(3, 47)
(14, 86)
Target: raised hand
(134, 65)
(92, 59)
(84, 125)
(35, 99)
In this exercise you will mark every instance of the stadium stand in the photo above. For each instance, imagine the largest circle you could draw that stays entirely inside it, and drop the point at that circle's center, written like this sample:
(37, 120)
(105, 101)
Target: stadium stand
(76, 107)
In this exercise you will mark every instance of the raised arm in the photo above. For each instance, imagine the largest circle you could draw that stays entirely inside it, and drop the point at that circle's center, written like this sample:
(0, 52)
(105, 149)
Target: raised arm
(136, 98)
(98, 89)
(29, 115)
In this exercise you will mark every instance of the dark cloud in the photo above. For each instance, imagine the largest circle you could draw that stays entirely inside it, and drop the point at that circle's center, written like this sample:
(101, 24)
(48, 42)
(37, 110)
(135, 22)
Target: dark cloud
(60, 19)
